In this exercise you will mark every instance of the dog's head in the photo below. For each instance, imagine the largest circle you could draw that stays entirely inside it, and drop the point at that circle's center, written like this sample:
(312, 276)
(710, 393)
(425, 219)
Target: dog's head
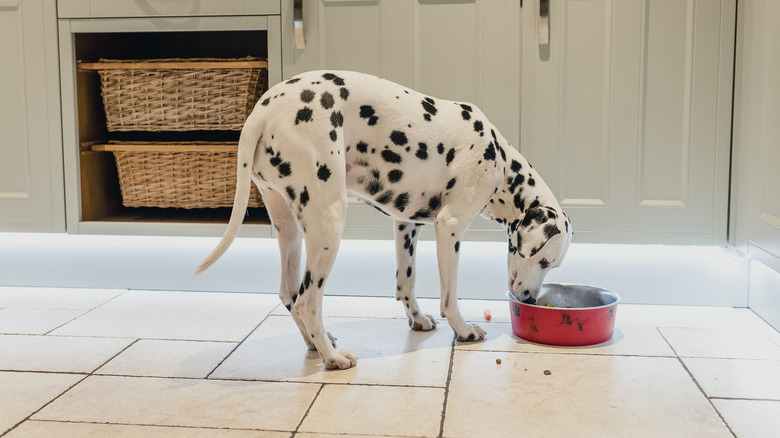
(538, 242)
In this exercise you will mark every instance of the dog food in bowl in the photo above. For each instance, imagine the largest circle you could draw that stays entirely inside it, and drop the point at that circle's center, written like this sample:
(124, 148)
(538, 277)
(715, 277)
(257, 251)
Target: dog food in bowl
(565, 314)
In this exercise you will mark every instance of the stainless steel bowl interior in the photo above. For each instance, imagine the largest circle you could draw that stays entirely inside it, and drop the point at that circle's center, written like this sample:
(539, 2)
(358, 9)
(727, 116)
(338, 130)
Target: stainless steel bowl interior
(573, 296)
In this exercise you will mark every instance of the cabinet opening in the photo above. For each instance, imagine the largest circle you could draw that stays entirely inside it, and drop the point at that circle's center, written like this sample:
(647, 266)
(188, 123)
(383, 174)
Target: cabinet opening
(101, 194)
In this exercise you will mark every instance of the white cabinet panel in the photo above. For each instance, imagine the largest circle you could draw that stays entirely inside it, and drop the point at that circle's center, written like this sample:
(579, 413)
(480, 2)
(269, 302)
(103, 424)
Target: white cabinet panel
(31, 189)
(625, 113)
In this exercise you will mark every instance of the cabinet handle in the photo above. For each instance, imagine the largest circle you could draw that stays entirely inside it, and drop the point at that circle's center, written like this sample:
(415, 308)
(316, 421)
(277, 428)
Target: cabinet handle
(10, 4)
(543, 23)
(300, 42)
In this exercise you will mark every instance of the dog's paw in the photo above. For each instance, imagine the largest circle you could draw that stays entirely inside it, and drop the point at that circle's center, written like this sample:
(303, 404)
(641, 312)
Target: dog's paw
(471, 334)
(313, 347)
(422, 322)
(340, 361)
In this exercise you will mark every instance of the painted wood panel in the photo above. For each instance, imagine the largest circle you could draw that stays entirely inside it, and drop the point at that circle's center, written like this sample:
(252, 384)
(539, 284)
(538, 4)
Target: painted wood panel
(31, 188)
(623, 115)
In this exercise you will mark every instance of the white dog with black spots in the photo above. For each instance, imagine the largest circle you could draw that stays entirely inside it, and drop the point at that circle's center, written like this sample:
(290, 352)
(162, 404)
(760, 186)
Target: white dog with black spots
(321, 136)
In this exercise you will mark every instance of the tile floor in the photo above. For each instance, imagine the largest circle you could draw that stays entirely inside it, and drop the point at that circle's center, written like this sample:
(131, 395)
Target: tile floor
(98, 363)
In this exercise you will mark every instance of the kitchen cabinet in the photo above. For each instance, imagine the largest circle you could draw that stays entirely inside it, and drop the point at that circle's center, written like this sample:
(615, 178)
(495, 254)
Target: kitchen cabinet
(757, 159)
(626, 112)
(464, 50)
(31, 186)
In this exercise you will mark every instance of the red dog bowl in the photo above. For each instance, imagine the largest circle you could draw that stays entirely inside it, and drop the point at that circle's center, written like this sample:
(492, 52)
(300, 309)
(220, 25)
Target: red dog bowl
(565, 314)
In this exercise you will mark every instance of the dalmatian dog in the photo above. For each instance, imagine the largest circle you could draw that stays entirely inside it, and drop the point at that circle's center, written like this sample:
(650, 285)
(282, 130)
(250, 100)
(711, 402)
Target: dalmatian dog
(321, 136)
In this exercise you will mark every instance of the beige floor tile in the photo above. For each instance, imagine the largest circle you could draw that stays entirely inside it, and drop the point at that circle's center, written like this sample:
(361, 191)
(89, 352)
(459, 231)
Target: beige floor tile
(721, 343)
(24, 393)
(754, 321)
(183, 402)
(168, 359)
(387, 351)
(376, 410)
(57, 353)
(358, 307)
(678, 316)
(630, 340)
(737, 378)
(580, 396)
(750, 418)
(55, 298)
(175, 315)
(34, 321)
(47, 429)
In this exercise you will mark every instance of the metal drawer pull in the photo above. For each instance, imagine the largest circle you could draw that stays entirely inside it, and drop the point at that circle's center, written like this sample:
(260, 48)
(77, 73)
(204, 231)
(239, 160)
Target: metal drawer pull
(543, 23)
(300, 42)
(10, 4)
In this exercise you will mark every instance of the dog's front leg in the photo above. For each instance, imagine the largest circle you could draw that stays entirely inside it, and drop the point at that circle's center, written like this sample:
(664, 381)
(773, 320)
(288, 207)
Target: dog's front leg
(406, 234)
(449, 231)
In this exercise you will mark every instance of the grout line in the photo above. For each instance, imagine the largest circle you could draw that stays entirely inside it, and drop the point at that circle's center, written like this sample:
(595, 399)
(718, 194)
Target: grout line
(447, 386)
(113, 357)
(171, 426)
(88, 311)
(696, 382)
(306, 414)
(746, 399)
(45, 405)
(208, 376)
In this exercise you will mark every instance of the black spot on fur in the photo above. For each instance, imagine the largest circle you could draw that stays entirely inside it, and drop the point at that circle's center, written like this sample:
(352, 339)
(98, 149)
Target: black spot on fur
(284, 169)
(385, 198)
(266, 101)
(451, 183)
(519, 203)
(336, 119)
(534, 214)
(293, 80)
(275, 160)
(466, 107)
(422, 151)
(434, 203)
(307, 96)
(374, 186)
(390, 156)
(457, 246)
(515, 166)
(440, 148)
(304, 115)
(490, 152)
(333, 135)
(362, 147)
(304, 196)
(290, 192)
(409, 271)
(323, 172)
(307, 280)
(478, 126)
(544, 263)
(395, 175)
(450, 155)
(531, 182)
(398, 138)
(319, 283)
(421, 214)
(428, 106)
(344, 93)
(326, 100)
(367, 112)
(331, 77)
(401, 201)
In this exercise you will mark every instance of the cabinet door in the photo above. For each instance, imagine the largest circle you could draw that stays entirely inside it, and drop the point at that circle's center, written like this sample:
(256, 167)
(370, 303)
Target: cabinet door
(31, 187)
(626, 114)
(467, 50)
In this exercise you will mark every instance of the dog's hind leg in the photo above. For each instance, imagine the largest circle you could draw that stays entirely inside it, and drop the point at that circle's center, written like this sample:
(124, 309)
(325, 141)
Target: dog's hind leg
(290, 238)
(406, 234)
(323, 224)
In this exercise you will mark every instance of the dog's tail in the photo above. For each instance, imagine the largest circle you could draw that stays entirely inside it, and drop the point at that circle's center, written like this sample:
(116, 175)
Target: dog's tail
(247, 145)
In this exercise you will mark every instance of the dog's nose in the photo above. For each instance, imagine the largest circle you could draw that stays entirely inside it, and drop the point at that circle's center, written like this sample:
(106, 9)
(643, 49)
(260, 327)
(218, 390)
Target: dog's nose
(529, 300)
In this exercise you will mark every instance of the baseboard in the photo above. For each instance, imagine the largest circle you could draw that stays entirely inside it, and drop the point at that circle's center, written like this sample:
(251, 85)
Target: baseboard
(642, 274)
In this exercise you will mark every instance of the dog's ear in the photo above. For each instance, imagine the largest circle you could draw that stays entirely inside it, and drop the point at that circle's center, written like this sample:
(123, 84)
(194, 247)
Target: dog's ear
(538, 226)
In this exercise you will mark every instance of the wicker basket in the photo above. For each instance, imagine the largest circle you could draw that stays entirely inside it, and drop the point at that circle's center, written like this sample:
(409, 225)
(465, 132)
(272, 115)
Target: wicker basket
(179, 94)
(177, 175)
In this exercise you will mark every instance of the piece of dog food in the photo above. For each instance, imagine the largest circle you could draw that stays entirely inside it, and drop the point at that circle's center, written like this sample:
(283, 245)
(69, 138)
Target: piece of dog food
(550, 305)
(547, 372)
(498, 361)
(487, 314)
